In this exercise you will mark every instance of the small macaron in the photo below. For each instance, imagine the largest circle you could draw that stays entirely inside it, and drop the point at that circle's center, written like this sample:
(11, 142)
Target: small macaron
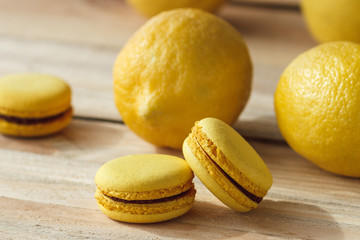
(33, 105)
(145, 188)
(227, 165)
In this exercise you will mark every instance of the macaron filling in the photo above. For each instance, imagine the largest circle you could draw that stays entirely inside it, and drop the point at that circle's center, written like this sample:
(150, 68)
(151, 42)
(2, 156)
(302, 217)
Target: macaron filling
(147, 207)
(33, 121)
(248, 194)
(251, 196)
(151, 201)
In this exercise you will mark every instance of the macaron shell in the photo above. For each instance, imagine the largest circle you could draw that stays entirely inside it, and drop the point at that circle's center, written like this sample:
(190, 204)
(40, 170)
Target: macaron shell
(237, 151)
(157, 176)
(33, 95)
(145, 188)
(241, 203)
(35, 130)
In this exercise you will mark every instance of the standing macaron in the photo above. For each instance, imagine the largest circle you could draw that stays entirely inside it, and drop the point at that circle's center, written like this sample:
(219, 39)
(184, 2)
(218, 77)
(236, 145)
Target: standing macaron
(145, 188)
(33, 105)
(227, 165)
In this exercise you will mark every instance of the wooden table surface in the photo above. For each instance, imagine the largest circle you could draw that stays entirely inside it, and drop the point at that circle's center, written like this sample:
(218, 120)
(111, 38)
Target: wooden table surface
(47, 185)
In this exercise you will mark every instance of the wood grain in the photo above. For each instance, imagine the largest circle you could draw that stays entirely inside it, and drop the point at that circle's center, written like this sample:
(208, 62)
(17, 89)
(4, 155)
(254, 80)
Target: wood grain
(47, 184)
(47, 191)
(79, 40)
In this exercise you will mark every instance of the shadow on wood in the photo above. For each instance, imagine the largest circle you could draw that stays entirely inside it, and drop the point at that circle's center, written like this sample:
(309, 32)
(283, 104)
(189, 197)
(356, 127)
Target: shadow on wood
(273, 218)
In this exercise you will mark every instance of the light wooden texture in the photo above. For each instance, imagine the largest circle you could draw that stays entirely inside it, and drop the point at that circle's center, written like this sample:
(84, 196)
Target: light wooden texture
(47, 184)
(79, 40)
(47, 191)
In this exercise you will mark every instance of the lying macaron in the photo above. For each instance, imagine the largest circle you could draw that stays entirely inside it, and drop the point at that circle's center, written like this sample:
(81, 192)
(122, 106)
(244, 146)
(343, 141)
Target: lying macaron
(33, 105)
(227, 165)
(145, 188)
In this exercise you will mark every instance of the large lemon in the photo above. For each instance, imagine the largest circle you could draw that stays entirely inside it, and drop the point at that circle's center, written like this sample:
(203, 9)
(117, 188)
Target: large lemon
(153, 7)
(181, 66)
(317, 104)
(333, 20)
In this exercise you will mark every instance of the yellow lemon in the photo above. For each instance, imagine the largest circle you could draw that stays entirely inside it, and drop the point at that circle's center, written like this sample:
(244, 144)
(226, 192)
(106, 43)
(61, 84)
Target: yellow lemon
(151, 8)
(181, 66)
(317, 104)
(333, 20)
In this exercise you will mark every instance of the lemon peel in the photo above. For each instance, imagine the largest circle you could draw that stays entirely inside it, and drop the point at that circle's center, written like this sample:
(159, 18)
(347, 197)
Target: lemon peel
(317, 106)
(181, 66)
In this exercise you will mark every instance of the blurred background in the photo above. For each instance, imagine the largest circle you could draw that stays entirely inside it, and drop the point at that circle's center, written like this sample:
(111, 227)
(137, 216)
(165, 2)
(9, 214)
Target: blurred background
(79, 40)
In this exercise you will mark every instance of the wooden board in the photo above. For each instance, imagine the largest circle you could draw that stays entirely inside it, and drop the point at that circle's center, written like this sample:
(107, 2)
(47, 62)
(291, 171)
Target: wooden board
(47, 191)
(47, 184)
(79, 40)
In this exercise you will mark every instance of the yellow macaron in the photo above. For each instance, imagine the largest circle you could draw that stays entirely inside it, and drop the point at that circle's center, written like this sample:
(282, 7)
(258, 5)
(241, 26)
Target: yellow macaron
(33, 105)
(227, 165)
(145, 188)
